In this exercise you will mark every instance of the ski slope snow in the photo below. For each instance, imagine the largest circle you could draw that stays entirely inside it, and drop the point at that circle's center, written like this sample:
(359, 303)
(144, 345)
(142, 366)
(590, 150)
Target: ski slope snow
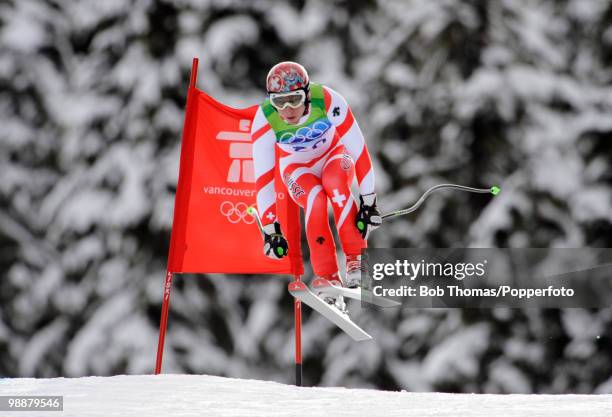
(210, 396)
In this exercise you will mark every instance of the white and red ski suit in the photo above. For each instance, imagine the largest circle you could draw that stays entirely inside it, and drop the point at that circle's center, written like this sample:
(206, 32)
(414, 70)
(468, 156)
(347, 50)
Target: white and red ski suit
(317, 163)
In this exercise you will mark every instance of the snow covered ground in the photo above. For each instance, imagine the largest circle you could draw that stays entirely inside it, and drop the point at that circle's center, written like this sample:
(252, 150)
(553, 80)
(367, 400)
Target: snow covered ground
(201, 395)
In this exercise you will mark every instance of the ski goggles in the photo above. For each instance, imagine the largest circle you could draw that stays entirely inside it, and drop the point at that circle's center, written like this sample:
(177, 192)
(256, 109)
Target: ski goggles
(293, 99)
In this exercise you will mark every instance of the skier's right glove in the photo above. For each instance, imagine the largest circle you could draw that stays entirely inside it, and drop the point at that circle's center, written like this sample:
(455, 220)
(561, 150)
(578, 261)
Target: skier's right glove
(275, 244)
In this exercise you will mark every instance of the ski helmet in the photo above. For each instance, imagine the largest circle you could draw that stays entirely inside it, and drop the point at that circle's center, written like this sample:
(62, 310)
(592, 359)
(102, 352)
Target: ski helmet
(287, 76)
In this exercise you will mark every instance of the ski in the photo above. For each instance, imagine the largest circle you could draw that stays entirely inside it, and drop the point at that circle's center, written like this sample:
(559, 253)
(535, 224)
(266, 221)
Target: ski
(300, 291)
(333, 289)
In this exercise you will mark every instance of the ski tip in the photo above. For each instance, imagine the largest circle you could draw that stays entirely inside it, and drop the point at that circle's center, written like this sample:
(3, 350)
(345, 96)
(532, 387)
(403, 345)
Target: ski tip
(495, 190)
(251, 211)
(363, 338)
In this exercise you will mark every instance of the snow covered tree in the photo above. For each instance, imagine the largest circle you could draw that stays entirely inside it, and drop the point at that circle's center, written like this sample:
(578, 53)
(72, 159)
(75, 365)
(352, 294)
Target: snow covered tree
(515, 93)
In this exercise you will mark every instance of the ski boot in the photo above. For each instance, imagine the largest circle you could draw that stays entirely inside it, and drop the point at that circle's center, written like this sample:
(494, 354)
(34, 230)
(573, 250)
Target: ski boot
(335, 301)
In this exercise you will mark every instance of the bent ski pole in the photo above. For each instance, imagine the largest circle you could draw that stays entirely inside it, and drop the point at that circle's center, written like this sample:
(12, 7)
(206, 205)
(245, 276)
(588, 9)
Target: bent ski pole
(253, 212)
(493, 190)
(280, 250)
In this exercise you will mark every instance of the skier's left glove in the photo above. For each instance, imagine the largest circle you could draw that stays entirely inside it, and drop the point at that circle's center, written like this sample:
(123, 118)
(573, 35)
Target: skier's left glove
(368, 217)
(275, 244)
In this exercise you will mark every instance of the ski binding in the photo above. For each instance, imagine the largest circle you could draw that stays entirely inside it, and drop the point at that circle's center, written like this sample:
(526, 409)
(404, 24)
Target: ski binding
(300, 291)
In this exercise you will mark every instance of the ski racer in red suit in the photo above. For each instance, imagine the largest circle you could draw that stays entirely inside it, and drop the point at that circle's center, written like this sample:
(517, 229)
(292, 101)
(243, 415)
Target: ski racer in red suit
(320, 149)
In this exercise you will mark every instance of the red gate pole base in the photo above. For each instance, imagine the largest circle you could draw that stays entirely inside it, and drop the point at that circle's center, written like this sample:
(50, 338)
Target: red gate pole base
(163, 322)
(297, 310)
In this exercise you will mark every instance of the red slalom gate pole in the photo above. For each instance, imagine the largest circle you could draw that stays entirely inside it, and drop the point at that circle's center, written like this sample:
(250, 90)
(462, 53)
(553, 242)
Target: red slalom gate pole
(297, 310)
(177, 223)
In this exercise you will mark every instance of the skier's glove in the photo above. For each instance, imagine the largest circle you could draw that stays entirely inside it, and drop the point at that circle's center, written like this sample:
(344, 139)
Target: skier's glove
(275, 244)
(368, 217)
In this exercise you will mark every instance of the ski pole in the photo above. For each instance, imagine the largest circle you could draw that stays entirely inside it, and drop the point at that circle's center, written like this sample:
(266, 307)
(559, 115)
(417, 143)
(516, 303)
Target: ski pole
(493, 190)
(280, 251)
(253, 212)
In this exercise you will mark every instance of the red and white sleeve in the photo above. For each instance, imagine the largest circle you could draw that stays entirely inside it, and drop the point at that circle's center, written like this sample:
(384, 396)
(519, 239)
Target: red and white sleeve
(264, 140)
(340, 114)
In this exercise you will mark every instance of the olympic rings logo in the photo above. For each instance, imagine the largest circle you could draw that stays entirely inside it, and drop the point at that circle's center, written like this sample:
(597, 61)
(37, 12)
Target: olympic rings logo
(236, 213)
(306, 133)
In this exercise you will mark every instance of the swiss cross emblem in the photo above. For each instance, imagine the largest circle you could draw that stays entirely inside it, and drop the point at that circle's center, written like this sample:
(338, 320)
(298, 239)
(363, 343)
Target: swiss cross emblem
(338, 198)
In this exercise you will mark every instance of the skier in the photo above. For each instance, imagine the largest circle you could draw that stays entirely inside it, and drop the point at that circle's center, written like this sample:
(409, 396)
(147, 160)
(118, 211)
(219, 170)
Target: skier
(320, 148)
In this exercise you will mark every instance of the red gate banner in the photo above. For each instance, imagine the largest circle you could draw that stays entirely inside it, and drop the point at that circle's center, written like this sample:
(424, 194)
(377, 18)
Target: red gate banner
(212, 232)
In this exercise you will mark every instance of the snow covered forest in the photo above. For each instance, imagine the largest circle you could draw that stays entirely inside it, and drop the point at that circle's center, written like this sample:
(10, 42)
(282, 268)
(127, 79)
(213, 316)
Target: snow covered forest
(510, 92)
